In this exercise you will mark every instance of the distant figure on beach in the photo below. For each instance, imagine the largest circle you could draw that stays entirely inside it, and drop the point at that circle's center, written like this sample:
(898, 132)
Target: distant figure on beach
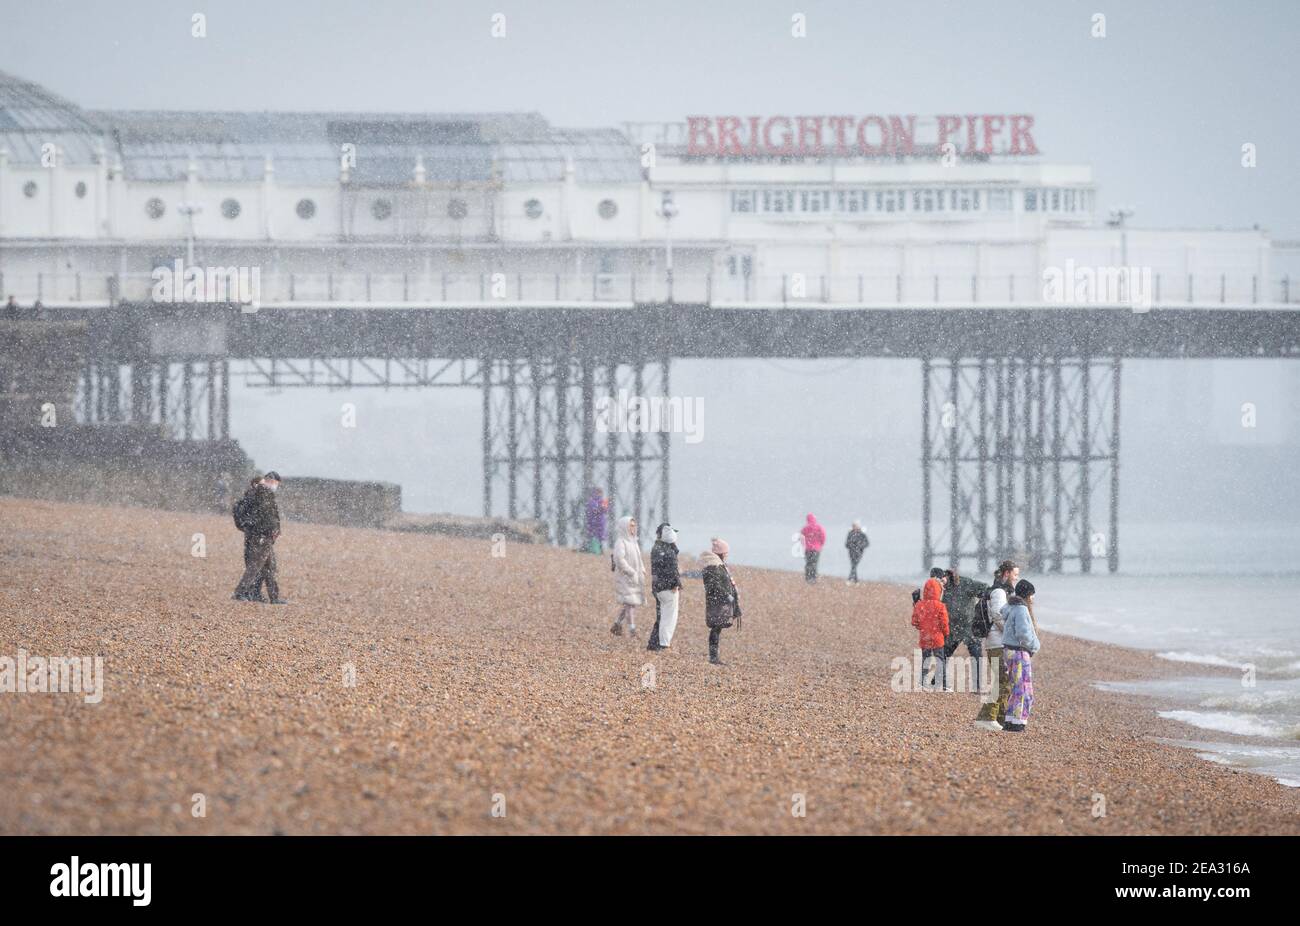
(257, 515)
(1019, 644)
(248, 493)
(629, 575)
(596, 513)
(665, 585)
(721, 599)
(856, 543)
(814, 538)
(930, 618)
(987, 623)
(11, 309)
(959, 597)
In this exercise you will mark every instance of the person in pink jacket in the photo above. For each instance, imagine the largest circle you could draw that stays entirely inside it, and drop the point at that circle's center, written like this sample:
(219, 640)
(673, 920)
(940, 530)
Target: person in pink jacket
(814, 538)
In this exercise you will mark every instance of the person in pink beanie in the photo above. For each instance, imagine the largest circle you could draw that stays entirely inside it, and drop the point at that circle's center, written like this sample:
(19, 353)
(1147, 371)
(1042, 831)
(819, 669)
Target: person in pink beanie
(721, 600)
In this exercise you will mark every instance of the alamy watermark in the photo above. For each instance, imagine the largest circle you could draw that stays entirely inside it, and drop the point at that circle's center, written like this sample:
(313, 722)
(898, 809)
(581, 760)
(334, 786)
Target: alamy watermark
(628, 413)
(1104, 285)
(76, 878)
(23, 674)
(179, 283)
(969, 674)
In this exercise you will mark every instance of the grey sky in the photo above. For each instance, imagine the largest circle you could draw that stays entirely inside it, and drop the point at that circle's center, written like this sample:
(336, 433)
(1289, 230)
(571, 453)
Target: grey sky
(1161, 106)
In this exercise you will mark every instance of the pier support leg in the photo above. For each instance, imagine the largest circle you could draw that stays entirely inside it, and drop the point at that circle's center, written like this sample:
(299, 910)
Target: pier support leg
(1030, 459)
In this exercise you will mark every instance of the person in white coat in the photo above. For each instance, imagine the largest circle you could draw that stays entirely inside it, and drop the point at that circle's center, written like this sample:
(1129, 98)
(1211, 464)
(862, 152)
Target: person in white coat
(629, 575)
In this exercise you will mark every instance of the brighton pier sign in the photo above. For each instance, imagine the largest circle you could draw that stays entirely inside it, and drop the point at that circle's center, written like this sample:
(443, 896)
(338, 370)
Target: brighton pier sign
(846, 136)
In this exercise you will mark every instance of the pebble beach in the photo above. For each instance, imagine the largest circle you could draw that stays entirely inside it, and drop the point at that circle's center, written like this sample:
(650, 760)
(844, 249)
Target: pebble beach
(420, 684)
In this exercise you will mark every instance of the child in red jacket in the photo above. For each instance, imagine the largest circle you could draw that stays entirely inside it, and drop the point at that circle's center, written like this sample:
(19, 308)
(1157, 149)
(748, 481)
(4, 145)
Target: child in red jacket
(930, 617)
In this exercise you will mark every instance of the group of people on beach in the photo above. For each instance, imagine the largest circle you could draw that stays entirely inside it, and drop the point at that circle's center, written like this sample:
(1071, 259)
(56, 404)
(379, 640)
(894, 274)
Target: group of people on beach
(995, 622)
(721, 597)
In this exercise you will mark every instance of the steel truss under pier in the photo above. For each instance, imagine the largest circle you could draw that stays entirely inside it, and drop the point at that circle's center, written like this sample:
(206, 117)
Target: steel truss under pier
(551, 431)
(190, 400)
(1019, 457)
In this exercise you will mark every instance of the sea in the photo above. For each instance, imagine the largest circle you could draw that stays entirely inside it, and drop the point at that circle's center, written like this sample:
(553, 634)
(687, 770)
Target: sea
(1202, 596)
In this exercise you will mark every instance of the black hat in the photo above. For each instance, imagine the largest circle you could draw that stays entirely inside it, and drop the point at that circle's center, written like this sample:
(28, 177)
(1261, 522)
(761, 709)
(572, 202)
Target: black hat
(273, 475)
(1024, 588)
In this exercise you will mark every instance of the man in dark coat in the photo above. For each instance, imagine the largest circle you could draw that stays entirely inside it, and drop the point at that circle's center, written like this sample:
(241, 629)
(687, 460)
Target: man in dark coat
(856, 543)
(261, 528)
(959, 595)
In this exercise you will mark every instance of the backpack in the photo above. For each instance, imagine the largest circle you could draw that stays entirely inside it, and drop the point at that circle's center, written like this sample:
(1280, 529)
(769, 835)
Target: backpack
(982, 622)
(242, 514)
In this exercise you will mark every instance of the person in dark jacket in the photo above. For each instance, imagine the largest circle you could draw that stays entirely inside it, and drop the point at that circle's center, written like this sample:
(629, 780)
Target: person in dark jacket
(261, 528)
(247, 501)
(856, 543)
(665, 585)
(721, 600)
(959, 596)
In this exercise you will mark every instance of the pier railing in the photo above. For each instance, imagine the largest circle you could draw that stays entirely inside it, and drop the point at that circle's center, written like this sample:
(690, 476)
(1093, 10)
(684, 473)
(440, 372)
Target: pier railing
(272, 288)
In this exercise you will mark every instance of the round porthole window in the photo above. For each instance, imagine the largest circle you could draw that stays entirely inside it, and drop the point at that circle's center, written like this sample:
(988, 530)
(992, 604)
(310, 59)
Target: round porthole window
(29, 189)
(80, 189)
(381, 209)
(306, 209)
(155, 208)
(457, 209)
(230, 208)
(607, 209)
(533, 208)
